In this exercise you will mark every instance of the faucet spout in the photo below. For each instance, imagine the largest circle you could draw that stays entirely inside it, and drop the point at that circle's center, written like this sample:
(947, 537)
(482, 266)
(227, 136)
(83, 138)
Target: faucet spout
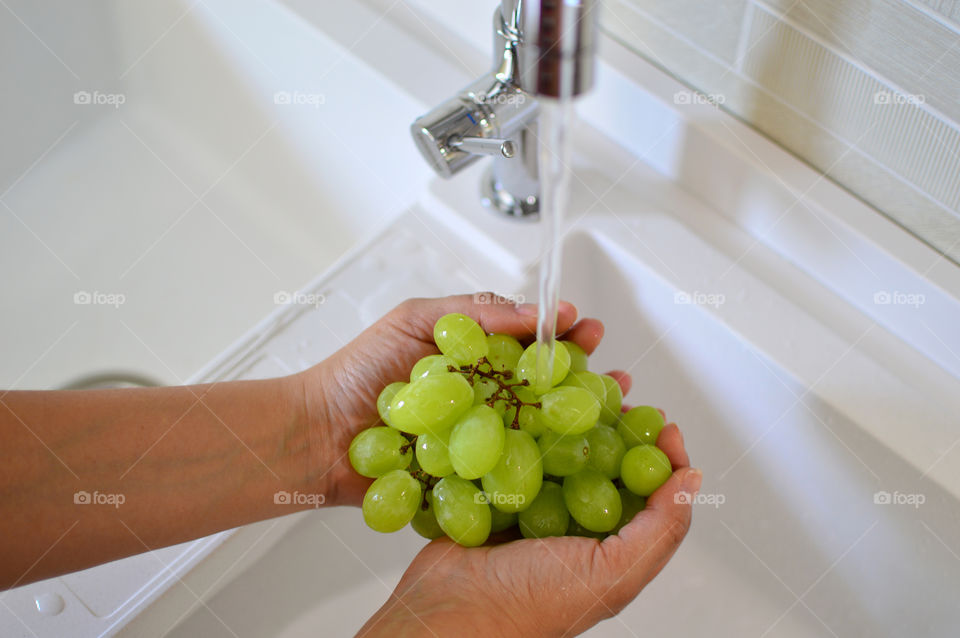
(542, 49)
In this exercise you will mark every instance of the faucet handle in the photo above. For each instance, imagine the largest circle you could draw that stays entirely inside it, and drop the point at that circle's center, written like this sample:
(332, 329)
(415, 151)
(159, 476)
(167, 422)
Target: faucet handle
(483, 145)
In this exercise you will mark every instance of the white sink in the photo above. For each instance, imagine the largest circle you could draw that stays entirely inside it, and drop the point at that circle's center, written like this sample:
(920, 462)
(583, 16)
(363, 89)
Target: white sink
(798, 407)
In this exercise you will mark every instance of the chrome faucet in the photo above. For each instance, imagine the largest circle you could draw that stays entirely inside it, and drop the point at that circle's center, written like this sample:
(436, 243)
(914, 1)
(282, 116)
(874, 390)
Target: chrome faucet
(541, 48)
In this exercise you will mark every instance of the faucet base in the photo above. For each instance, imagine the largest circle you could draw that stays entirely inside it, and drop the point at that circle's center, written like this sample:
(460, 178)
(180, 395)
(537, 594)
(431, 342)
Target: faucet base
(500, 199)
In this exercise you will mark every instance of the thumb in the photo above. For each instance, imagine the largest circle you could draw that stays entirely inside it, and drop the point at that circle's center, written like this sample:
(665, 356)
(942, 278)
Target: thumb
(651, 538)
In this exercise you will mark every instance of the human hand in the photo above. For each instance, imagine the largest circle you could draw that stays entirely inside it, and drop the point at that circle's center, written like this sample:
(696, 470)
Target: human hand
(340, 393)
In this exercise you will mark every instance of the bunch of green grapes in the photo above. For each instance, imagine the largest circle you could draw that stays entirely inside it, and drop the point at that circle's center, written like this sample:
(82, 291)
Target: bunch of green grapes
(470, 446)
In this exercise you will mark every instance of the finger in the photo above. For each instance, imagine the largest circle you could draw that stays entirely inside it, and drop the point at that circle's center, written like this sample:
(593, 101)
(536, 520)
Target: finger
(624, 379)
(586, 333)
(493, 313)
(670, 441)
(645, 544)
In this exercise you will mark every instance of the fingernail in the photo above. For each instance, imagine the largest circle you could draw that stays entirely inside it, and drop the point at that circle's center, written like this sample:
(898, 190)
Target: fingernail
(526, 309)
(692, 480)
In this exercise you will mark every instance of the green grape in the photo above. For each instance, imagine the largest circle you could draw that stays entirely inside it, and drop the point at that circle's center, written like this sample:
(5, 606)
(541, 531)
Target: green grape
(547, 515)
(433, 453)
(529, 420)
(376, 451)
(503, 352)
(606, 451)
(610, 412)
(569, 410)
(515, 481)
(391, 502)
(578, 358)
(431, 364)
(563, 454)
(592, 500)
(483, 391)
(527, 367)
(640, 426)
(461, 511)
(500, 521)
(644, 469)
(460, 338)
(576, 529)
(431, 404)
(632, 505)
(589, 381)
(425, 520)
(386, 398)
(476, 442)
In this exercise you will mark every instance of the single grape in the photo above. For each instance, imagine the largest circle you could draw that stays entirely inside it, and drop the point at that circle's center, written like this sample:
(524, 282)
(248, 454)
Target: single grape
(563, 454)
(431, 404)
(578, 358)
(592, 500)
(632, 505)
(461, 511)
(503, 352)
(433, 453)
(527, 367)
(376, 451)
(424, 522)
(391, 502)
(500, 521)
(483, 391)
(569, 410)
(431, 364)
(476, 442)
(515, 481)
(589, 381)
(547, 515)
(460, 338)
(529, 420)
(610, 412)
(640, 426)
(644, 469)
(606, 451)
(576, 529)
(386, 398)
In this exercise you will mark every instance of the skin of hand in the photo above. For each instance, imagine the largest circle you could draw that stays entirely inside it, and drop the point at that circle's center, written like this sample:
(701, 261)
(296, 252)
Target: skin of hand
(529, 587)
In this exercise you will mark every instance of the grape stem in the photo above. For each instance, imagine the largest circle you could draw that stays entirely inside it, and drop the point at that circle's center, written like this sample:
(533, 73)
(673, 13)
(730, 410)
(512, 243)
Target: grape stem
(505, 391)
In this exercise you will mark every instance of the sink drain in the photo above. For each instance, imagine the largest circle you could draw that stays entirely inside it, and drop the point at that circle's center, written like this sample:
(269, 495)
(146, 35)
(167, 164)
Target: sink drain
(103, 380)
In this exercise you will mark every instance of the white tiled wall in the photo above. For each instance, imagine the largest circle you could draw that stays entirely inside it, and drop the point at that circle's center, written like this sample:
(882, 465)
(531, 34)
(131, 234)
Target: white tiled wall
(867, 91)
